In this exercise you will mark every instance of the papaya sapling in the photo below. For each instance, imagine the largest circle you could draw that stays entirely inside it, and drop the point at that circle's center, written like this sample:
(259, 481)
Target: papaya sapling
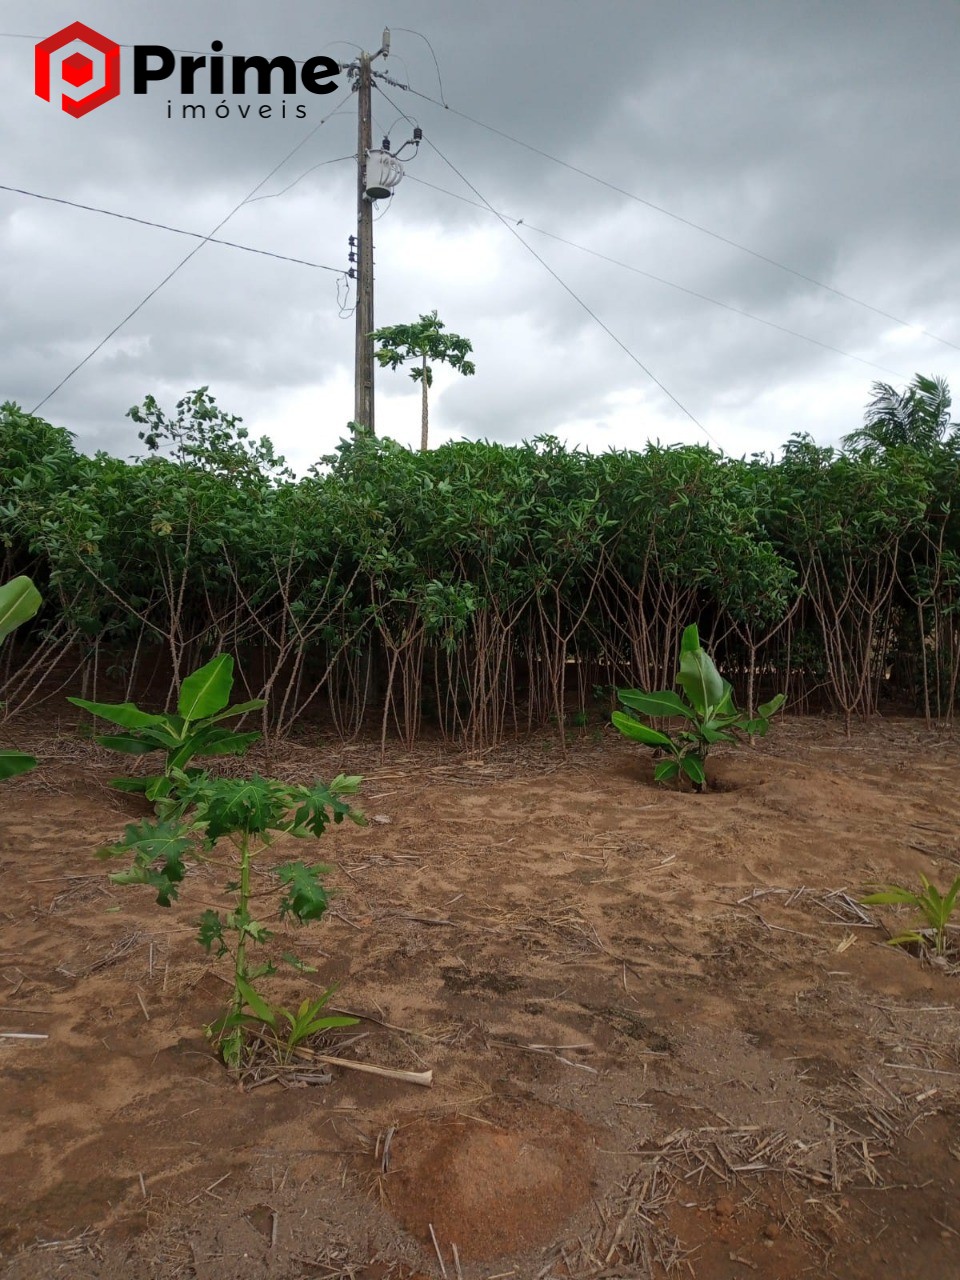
(229, 823)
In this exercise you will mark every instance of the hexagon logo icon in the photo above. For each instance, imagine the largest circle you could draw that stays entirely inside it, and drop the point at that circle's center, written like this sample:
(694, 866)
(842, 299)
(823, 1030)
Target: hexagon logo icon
(88, 58)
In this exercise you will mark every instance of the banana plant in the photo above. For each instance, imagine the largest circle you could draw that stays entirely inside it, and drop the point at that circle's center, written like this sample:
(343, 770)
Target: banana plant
(19, 601)
(195, 730)
(707, 708)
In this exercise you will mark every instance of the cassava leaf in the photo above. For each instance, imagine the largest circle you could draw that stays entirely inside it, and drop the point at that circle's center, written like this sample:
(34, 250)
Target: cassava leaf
(758, 727)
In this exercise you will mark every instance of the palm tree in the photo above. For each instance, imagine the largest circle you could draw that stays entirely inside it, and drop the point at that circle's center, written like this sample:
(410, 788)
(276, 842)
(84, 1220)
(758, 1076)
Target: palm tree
(918, 417)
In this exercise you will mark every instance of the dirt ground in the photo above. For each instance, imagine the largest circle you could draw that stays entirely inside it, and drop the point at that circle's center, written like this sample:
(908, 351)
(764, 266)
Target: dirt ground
(665, 1040)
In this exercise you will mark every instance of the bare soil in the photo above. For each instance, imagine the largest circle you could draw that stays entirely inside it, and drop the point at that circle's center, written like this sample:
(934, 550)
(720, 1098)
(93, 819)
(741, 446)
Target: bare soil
(665, 1040)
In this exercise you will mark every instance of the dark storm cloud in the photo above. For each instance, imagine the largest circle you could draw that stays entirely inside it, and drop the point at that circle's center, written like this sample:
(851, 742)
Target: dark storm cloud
(820, 135)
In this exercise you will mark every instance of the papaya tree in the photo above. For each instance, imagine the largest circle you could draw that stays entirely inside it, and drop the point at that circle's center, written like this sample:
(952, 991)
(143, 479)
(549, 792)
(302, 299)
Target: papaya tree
(423, 341)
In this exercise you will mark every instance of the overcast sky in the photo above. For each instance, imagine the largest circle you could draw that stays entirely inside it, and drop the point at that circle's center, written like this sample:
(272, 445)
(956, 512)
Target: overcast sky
(821, 136)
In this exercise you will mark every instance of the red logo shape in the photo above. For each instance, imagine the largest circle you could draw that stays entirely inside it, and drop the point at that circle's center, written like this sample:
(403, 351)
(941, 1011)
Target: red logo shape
(78, 68)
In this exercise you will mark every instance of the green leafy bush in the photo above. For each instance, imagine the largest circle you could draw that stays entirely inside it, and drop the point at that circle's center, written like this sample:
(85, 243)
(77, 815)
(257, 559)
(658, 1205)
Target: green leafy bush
(209, 816)
(707, 708)
(193, 731)
(19, 601)
(481, 586)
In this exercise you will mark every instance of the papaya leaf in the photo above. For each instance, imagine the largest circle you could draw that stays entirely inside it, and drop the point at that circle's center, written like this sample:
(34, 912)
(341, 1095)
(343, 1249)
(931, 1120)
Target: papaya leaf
(305, 899)
(210, 931)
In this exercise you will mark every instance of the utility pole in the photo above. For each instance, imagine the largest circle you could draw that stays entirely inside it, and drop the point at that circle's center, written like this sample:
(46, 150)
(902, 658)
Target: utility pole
(378, 172)
(363, 358)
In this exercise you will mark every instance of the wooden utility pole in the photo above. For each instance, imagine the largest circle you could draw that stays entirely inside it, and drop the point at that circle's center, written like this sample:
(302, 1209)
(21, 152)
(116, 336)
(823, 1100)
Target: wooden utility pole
(363, 360)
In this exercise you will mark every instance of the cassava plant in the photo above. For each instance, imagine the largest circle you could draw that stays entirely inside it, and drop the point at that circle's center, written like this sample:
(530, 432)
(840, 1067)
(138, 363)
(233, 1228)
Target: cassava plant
(228, 823)
(936, 908)
(707, 707)
(19, 601)
(835, 573)
(194, 731)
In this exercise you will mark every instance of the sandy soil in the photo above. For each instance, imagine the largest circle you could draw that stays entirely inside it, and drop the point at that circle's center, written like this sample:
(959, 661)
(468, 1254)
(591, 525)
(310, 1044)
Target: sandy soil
(664, 1038)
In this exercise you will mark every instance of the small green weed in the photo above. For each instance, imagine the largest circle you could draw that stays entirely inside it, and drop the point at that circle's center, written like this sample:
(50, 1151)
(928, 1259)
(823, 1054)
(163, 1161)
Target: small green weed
(935, 907)
(301, 1026)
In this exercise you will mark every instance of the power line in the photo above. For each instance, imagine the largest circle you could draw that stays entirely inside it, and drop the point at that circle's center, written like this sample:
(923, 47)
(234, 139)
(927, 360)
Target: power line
(648, 275)
(180, 231)
(19, 35)
(696, 226)
(183, 261)
(273, 194)
(408, 31)
(576, 297)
